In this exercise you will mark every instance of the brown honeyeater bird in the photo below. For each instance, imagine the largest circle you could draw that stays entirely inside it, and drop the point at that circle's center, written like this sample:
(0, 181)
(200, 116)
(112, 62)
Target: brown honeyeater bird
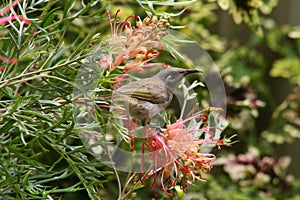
(145, 98)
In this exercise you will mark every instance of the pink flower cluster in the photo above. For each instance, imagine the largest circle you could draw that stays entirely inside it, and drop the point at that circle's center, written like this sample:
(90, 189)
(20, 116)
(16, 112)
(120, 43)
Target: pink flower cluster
(133, 47)
(6, 20)
(176, 155)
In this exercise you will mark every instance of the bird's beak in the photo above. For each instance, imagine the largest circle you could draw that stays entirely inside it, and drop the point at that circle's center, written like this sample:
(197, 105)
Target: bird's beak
(191, 71)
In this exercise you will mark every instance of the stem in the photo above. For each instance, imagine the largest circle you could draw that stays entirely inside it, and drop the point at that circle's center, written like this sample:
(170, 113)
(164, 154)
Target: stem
(185, 93)
(119, 183)
(117, 176)
(37, 74)
(125, 195)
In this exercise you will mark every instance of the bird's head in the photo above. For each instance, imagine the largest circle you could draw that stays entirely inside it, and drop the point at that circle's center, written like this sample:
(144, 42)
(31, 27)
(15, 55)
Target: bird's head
(172, 76)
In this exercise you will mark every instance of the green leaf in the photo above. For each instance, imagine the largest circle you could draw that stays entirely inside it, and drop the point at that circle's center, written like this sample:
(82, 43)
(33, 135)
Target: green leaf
(167, 3)
(224, 4)
(37, 114)
(7, 126)
(286, 68)
(50, 16)
(15, 105)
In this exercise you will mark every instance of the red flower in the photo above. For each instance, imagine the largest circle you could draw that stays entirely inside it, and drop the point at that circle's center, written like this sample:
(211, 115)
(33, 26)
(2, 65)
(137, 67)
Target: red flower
(175, 153)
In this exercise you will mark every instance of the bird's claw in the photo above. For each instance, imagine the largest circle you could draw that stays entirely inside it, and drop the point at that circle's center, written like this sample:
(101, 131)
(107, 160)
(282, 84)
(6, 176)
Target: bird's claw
(157, 128)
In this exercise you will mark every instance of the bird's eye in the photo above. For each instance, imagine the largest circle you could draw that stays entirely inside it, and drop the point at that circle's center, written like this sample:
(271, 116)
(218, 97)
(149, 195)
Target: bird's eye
(173, 75)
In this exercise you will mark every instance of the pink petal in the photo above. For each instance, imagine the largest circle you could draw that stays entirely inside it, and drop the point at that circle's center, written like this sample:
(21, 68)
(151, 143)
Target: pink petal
(7, 8)
(7, 60)
(5, 20)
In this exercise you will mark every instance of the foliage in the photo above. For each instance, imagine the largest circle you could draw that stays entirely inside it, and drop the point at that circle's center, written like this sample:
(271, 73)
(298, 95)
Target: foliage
(248, 11)
(39, 148)
(43, 47)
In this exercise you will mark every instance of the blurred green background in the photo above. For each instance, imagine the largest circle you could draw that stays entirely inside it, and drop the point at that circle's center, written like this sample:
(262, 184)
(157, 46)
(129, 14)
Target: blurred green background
(284, 15)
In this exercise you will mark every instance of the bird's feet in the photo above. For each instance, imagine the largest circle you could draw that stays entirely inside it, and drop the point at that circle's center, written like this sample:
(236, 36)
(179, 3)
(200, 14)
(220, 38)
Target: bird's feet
(157, 128)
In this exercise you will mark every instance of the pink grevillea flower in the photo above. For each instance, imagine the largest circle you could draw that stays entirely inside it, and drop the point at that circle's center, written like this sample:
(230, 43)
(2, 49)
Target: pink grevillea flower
(7, 60)
(6, 20)
(119, 80)
(133, 47)
(175, 153)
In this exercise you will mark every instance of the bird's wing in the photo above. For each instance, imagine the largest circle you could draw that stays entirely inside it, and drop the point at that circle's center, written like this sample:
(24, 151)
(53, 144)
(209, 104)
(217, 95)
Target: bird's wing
(154, 92)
